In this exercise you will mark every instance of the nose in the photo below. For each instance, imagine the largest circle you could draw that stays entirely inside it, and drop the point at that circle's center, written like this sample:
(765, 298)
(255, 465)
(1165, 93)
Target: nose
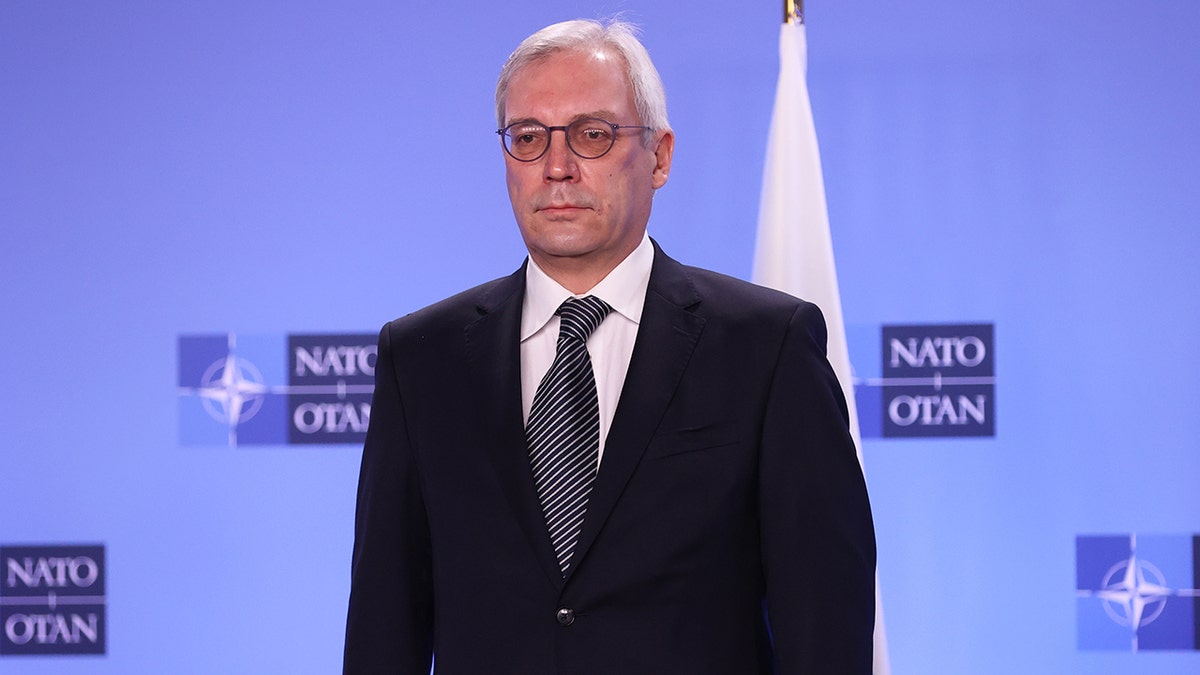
(560, 163)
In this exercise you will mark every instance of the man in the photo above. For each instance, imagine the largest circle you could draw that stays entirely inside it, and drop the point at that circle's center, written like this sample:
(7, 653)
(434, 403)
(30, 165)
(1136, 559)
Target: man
(607, 462)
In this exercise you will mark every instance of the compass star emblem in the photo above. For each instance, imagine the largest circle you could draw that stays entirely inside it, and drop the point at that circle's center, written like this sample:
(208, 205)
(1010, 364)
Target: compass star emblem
(232, 391)
(1134, 592)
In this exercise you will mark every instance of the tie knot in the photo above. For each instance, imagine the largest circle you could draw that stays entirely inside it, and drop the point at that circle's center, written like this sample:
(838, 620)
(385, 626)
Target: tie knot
(580, 316)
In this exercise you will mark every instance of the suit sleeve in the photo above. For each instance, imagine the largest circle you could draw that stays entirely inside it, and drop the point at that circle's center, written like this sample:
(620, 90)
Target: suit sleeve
(818, 539)
(389, 627)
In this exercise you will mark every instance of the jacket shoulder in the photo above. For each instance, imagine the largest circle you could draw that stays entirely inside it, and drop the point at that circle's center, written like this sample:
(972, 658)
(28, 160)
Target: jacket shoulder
(457, 311)
(726, 294)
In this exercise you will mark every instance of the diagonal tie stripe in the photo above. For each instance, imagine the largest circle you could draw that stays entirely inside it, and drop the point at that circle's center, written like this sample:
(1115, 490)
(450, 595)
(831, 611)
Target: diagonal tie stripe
(563, 433)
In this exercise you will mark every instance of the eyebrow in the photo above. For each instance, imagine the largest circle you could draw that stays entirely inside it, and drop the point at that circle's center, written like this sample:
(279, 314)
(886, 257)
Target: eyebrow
(606, 115)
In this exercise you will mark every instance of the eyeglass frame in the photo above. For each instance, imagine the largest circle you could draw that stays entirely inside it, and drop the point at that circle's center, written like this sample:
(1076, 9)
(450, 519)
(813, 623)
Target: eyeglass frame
(563, 128)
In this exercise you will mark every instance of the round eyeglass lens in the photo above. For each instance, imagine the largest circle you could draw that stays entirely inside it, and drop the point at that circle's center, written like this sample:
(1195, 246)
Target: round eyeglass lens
(590, 138)
(526, 141)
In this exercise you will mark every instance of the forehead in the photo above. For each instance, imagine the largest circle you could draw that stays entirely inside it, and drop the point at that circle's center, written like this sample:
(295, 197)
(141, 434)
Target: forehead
(566, 84)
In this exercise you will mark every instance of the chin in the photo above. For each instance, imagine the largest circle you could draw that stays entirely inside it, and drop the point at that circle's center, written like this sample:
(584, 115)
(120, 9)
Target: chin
(563, 239)
(566, 249)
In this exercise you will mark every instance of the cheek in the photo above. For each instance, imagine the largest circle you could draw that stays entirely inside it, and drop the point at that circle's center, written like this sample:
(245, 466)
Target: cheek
(517, 186)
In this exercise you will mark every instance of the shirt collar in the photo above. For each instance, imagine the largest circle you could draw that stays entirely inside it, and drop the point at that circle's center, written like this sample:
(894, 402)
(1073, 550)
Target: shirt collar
(624, 289)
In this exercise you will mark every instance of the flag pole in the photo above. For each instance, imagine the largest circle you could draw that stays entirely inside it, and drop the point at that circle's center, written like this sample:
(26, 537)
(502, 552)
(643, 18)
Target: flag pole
(793, 11)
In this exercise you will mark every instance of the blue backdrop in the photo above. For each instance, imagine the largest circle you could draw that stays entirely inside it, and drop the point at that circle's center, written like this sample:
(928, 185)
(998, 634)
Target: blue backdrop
(272, 169)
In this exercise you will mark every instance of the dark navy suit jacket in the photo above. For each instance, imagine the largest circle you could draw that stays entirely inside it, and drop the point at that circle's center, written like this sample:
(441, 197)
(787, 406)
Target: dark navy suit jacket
(728, 530)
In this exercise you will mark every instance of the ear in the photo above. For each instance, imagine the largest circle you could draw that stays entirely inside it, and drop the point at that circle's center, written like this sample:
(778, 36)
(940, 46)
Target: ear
(662, 157)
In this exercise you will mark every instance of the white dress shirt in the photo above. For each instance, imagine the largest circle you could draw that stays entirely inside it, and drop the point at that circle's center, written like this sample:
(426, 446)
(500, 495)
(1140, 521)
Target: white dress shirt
(610, 345)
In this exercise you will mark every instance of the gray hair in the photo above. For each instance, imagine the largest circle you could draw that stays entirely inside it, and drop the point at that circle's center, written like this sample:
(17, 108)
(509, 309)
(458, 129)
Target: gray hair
(583, 35)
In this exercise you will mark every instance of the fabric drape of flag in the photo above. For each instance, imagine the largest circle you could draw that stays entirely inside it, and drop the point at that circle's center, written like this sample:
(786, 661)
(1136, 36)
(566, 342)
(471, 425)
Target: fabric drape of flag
(794, 252)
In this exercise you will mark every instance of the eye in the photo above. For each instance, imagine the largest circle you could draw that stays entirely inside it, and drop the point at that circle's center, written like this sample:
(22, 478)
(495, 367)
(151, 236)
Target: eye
(595, 133)
(526, 135)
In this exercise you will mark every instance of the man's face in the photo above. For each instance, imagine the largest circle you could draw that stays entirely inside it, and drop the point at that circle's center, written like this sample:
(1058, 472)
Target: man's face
(582, 215)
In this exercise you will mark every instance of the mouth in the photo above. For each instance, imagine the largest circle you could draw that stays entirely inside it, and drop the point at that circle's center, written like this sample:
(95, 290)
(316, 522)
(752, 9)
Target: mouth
(561, 209)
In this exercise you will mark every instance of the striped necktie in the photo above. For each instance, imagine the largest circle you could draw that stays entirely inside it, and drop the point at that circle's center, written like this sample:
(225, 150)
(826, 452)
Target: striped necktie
(563, 433)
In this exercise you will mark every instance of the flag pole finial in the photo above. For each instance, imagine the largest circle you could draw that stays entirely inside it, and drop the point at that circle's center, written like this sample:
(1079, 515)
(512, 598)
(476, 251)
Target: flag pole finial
(793, 11)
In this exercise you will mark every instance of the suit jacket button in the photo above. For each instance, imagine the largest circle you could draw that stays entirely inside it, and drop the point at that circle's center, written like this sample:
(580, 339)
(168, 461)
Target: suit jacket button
(565, 616)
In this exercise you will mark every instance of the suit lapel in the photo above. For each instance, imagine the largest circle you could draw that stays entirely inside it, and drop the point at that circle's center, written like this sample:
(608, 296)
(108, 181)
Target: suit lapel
(666, 337)
(494, 354)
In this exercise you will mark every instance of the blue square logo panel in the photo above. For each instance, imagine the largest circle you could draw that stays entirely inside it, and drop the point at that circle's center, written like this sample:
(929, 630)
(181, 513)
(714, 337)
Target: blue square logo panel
(1136, 592)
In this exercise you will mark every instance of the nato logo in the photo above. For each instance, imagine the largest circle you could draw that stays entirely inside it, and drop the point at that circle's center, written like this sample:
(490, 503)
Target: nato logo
(934, 381)
(52, 600)
(275, 390)
(1137, 592)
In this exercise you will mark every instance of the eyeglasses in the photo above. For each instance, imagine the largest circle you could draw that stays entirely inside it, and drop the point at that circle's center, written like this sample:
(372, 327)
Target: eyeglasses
(589, 138)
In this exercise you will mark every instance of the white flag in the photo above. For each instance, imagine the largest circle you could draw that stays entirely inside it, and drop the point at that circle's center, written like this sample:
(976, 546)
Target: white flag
(794, 252)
